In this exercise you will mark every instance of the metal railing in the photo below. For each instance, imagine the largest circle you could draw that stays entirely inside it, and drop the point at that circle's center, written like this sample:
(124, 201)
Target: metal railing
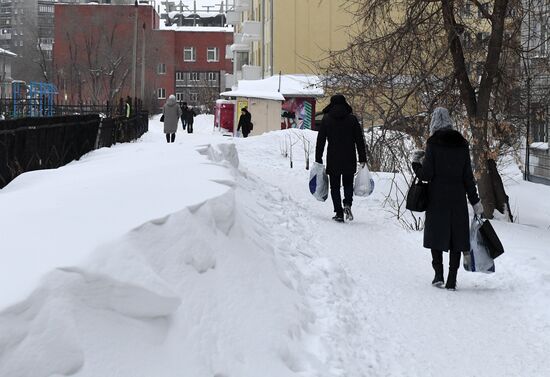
(35, 143)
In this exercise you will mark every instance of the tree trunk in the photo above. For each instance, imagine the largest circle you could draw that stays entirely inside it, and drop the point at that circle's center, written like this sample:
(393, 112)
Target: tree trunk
(480, 149)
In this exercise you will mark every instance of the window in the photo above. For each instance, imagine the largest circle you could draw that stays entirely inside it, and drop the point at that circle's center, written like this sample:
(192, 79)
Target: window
(194, 76)
(161, 93)
(212, 76)
(180, 76)
(161, 70)
(194, 97)
(212, 54)
(189, 54)
(179, 97)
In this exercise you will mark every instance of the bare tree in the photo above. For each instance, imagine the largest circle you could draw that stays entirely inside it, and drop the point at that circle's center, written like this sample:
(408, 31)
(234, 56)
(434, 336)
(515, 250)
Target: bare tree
(405, 58)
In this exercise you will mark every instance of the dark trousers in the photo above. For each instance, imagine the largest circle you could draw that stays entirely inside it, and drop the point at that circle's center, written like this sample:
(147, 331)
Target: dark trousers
(183, 123)
(347, 181)
(170, 138)
(454, 259)
(190, 128)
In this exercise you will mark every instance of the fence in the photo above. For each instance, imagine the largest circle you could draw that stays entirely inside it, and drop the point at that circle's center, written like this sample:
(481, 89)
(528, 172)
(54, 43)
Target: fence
(539, 163)
(17, 108)
(44, 143)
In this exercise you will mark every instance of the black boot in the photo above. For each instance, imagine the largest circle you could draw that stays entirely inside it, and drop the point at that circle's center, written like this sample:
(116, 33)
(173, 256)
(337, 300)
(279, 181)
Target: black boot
(438, 280)
(451, 279)
(339, 217)
(454, 262)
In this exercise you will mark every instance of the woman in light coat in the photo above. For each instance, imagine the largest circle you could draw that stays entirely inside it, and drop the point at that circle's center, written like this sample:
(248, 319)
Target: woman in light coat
(172, 113)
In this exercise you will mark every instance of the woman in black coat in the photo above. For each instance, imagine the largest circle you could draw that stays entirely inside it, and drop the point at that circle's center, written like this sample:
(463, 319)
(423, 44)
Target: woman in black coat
(344, 134)
(245, 121)
(448, 169)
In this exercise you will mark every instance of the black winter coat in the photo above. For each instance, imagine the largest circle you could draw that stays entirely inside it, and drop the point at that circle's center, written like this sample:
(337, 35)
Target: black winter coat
(448, 169)
(188, 115)
(344, 134)
(244, 123)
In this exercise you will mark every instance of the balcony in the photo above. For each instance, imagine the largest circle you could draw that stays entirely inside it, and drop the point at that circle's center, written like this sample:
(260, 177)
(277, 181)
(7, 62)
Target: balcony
(252, 72)
(233, 18)
(239, 44)
(242, 4)
(252, 31)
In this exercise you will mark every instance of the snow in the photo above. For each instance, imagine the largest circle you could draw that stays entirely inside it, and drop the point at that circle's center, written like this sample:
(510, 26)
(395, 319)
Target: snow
(539, 145)
(4, 52)
(201, 29)
(209, 257)
(290, 86)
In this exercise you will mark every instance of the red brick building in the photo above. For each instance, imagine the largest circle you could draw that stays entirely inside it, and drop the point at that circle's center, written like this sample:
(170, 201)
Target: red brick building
(93, 54)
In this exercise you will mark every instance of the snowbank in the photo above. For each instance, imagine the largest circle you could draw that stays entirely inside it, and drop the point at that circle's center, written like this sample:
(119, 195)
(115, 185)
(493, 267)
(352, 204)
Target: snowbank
(253, 278)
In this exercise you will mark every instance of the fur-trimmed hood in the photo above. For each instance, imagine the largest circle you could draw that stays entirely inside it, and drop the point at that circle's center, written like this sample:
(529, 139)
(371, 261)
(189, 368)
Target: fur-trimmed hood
(448, 137)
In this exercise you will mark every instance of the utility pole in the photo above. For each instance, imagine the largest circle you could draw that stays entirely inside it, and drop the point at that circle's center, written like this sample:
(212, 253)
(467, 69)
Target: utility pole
(134, 51)
(142, 94)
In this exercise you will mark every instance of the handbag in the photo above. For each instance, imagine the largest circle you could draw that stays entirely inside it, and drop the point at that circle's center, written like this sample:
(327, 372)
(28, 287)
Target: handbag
(490, 238)
(417, 197)
(162, 118)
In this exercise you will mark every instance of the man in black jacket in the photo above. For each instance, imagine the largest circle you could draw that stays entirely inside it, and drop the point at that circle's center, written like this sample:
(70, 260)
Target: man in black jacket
(345, 136)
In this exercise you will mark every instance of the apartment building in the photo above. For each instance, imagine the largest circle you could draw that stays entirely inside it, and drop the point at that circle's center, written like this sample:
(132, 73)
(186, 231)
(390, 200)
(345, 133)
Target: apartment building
(287, 36)
(26, 28)
(188, 61)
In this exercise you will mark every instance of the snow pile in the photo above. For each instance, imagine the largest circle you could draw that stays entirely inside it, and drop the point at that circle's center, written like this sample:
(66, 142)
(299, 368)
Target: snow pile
(238, 271)
(199, 290)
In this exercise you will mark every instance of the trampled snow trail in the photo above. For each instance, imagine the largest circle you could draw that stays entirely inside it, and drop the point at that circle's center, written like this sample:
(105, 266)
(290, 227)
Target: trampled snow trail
(239, 272)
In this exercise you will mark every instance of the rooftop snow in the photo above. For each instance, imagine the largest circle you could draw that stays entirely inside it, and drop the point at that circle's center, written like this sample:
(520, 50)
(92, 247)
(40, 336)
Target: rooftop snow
(291, 86)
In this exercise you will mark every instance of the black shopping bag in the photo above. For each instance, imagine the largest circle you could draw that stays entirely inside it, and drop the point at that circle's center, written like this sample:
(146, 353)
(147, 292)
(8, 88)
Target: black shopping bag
(417, 197)
(491, 239)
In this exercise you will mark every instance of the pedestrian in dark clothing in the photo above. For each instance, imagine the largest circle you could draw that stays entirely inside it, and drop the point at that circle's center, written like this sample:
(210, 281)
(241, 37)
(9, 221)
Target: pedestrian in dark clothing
(189, 115)
(245, 122)
(345, 139)
(183, 107)
(172, 113)
(447, 167)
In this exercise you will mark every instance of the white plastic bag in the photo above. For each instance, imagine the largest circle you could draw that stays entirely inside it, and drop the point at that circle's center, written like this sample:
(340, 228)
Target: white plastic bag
(318, 182)
(364, 184)
(478, 259)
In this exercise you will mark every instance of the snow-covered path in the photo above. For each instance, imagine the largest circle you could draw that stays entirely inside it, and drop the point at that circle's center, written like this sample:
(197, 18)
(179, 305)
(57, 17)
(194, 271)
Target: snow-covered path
(240, 272)
(381, 315)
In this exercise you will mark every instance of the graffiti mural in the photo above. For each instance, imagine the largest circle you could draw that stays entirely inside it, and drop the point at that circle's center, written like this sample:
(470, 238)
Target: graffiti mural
(298, 113)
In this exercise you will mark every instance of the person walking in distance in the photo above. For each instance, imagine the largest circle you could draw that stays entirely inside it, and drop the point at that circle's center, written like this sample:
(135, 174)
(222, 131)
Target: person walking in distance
(245, 122)
(345, 140)
(172, 113)
(447, 168)
(189, 115)
(183, 107)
